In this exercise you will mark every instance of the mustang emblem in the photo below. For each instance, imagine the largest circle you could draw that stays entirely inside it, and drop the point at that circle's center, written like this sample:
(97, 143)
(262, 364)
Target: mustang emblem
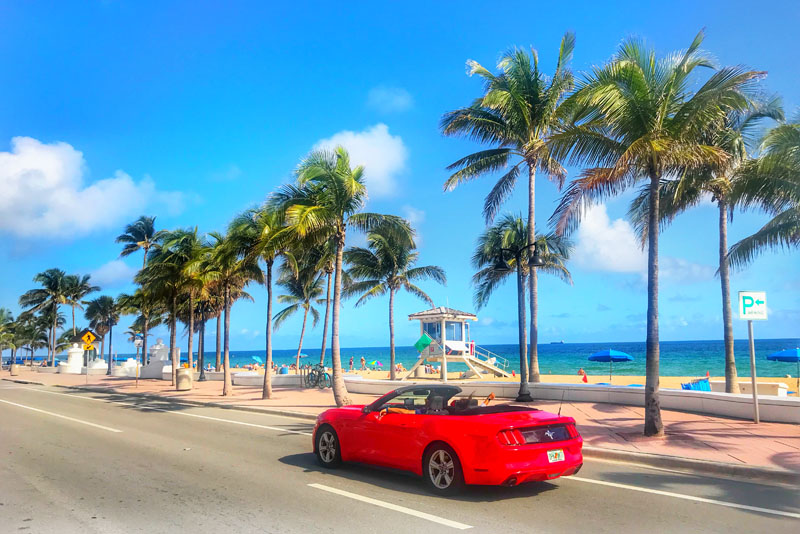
(549, 434)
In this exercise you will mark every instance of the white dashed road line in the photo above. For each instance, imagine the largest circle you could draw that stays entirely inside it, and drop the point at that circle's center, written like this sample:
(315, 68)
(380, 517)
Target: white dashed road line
(395, 507)
(207, 417)
(686, 497)
(61, 416)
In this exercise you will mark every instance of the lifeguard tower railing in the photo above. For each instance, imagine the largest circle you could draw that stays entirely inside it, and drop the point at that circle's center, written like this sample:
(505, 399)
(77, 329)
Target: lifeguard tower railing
(490, 357)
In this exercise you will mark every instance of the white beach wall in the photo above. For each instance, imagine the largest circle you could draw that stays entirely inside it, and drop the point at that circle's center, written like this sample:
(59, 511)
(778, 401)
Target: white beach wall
(772, 408)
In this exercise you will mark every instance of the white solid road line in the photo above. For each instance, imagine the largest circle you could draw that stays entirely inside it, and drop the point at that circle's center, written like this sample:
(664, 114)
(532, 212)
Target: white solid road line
(145, 406)
(61, 416)
(395, 507)
(686, 497)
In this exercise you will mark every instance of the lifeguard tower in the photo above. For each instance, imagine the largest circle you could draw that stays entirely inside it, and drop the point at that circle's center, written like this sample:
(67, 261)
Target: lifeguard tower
(449, 330)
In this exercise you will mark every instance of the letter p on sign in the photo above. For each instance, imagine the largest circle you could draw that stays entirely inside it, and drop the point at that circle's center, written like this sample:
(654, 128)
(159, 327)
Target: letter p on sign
(753, 305)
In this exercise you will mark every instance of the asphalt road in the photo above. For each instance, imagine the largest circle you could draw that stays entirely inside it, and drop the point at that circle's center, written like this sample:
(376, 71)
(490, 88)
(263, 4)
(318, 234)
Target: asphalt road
(88, 462)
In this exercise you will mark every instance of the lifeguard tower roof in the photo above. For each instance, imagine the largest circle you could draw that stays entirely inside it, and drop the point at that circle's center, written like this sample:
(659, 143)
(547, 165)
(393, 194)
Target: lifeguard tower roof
(442, 312)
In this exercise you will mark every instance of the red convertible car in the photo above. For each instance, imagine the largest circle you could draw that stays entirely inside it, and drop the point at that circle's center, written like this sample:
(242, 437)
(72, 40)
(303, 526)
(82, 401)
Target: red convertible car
(450, 441)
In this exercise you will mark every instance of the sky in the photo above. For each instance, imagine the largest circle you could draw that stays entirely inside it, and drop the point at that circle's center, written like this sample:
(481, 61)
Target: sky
(194, 111)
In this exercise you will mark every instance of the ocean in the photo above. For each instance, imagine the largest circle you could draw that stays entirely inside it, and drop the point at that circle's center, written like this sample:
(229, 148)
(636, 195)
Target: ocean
(678, 358)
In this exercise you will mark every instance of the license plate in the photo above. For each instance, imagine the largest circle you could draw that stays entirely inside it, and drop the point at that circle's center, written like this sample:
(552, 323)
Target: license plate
(556, 455)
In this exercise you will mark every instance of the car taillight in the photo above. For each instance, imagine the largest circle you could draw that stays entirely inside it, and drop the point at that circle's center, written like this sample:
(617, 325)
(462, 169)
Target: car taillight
(511, 437)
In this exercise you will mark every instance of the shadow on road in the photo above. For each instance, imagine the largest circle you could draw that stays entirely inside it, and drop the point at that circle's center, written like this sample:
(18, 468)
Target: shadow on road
(409, 483)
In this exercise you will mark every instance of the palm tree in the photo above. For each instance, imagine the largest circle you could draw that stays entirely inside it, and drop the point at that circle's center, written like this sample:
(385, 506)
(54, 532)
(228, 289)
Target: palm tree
(387, 265)
(634, 119)
(6, 331)
(326, 201)
(223, 265)
(260, 234)
(77, 288)
(47, 300)
(773, 183)
(165, 278)
(103, 313)
(302, 290)
(148, 310)
(510, 233)
(140, 235)
(678, 195)
(186, 248)
(326, 261)
(519, 110)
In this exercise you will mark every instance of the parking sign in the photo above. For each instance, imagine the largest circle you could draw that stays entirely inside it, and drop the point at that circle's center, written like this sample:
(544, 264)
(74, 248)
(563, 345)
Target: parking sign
(753, 305)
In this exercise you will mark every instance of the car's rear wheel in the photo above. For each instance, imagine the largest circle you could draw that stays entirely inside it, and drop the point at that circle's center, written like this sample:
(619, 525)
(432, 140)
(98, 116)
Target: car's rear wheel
(329, 453)
(442, 469)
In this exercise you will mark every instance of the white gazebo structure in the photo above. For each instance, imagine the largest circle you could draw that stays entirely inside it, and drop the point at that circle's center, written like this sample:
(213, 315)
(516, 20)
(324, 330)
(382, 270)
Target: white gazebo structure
(449, 330)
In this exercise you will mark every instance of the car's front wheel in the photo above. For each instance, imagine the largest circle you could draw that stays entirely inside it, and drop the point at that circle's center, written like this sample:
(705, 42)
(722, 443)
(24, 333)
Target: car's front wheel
(442, 469)
(329, 453)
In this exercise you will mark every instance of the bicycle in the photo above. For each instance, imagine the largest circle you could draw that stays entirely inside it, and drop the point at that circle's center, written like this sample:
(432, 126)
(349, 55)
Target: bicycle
(318, 377)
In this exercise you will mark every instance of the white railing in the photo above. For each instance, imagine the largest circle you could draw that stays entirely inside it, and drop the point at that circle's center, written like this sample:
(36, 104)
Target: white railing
(487, 355)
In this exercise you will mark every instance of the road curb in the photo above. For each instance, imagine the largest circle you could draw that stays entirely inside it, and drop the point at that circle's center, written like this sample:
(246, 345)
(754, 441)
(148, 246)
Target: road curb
(770, 475)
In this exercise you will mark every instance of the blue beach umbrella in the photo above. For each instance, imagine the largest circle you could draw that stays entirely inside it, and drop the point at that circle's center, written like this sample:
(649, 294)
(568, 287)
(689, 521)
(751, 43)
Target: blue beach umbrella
(788, 355)
(610, 356)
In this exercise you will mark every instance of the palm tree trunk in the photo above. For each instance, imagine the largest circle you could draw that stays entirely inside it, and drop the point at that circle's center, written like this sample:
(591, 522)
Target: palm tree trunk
(534, 283)
(55, 328)
(652, 407)
(339, 391)
(523, 360)
(73, 320)
(226, 363)
(110, 347)
(102, 347)
(266, 391)
(731, 377)
(201, 347)
(190, 346)
(300, 345)
(325, 324)
(144, 341)
(217, 364)
(392, 372)
(172, 327)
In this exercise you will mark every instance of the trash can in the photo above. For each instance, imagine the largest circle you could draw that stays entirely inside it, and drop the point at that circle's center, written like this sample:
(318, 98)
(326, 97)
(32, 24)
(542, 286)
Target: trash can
(419, 372)
(14, 369)
(183, 379)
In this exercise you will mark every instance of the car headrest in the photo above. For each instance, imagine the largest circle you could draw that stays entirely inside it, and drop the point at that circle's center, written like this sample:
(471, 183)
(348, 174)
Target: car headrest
(437, 403)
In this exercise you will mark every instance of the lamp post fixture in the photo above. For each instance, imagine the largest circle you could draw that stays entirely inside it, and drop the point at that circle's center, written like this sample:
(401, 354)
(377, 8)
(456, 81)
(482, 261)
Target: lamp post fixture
(502, 266)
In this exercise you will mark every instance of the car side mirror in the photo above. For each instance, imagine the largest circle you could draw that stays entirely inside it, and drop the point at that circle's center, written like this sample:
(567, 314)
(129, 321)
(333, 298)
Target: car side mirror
(365, 409)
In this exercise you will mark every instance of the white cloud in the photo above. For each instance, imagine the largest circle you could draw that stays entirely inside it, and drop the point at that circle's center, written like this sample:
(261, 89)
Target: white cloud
(606, 245)
(684, 270)
(382, 155)
(415, 217)
(389, 99)
(113, 274)
(44, 194)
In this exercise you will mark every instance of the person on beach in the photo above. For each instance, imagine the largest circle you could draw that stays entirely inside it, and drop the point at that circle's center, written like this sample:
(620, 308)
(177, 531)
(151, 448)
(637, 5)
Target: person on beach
(581, 372)
(351, 363)
(363, 364)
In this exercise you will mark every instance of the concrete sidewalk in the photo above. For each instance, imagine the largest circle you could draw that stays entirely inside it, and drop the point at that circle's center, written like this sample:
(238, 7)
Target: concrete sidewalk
(609, 430)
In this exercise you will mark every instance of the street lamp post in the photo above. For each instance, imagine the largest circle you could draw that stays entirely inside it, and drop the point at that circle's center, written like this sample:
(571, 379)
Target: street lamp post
(524, 394)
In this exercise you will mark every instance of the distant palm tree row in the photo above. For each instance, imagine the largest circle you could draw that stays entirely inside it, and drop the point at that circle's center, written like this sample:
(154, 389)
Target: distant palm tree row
(635, 119)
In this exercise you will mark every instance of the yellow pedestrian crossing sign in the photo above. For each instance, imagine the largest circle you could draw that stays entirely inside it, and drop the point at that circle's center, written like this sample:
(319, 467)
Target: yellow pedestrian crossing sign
(88, 338)
(88, 347)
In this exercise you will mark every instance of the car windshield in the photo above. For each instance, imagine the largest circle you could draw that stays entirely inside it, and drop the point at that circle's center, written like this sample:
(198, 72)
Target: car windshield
(420, 400)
